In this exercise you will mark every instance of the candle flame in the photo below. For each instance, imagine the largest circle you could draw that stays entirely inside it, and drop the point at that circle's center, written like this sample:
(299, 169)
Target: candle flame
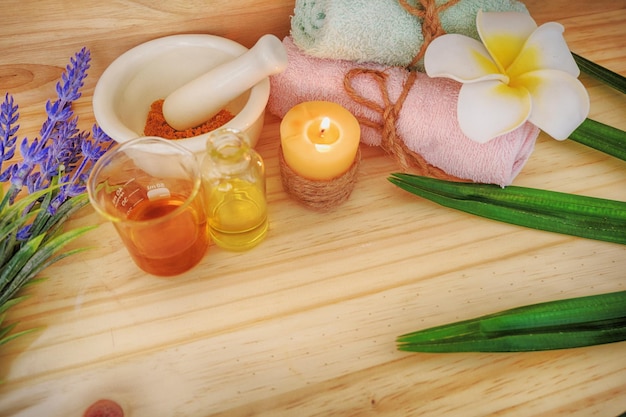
(325, 124)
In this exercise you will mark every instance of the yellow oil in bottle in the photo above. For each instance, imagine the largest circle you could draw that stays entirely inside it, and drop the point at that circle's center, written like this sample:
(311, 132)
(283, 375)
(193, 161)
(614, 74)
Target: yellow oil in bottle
(238, 218)
(234, 179)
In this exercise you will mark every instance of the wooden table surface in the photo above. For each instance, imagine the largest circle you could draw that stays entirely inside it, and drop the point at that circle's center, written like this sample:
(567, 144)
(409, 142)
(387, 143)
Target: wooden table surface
(305, 324)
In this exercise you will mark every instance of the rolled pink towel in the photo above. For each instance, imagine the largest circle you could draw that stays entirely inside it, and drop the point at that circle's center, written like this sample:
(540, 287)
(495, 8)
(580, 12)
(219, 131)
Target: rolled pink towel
(427, 121)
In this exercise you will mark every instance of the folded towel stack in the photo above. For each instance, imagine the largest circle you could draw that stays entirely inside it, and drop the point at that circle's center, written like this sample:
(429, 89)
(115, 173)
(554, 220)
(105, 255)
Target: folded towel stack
(379, 31)
(427, 122)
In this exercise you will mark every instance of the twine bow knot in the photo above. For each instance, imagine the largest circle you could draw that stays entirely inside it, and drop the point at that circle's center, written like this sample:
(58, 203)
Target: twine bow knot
(392, 143)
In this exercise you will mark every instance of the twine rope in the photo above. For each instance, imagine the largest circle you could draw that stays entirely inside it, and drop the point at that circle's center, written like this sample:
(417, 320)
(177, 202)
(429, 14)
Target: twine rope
(321, 195)
(392, 143)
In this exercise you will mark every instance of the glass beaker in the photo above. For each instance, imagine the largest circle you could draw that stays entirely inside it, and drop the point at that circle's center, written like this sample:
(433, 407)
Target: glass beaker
(234, 181)
(151, 190)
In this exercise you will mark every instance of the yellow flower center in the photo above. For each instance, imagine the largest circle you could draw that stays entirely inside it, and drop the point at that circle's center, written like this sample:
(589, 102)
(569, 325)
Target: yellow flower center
(505, 49)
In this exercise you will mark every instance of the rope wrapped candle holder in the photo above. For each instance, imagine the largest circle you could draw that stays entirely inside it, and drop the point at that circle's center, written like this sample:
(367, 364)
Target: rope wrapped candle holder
(319, 153)
(320, 195)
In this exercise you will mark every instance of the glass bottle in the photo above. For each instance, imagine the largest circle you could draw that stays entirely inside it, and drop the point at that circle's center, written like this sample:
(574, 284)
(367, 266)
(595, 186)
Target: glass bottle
(234, 180)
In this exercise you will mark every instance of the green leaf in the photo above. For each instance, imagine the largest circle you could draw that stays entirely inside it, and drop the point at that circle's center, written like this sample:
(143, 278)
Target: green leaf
(582, 216)
(13, 216)
(17, 263)
(34, 256)
(601, 73)
(5, 199)
(10, 303)
(561, 324)
(39, 260)
(7, 329)
(14, 336)
(594, 134)
(18, 207)
(524, 343)
(39, 221)
(11, 224)
(4, 331)
(64, 212)
(8, 246)
(574, 312)
(601, 137)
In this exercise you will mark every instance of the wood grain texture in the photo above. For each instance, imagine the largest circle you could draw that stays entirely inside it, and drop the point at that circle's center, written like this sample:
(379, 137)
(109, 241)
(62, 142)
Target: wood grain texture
(305, 324)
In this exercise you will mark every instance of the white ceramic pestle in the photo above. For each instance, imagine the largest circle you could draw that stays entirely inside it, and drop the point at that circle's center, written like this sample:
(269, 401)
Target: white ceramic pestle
(202, 98)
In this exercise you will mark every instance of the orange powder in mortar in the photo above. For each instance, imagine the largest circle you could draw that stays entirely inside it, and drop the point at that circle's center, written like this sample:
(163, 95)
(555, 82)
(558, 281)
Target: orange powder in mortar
(156, 125)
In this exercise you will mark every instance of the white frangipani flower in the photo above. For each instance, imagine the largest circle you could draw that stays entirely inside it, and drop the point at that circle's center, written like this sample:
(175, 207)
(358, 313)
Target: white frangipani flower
(520, 72)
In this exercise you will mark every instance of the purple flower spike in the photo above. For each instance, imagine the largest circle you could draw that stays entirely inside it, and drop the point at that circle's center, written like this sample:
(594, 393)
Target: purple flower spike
(8, 128)
(59, 147)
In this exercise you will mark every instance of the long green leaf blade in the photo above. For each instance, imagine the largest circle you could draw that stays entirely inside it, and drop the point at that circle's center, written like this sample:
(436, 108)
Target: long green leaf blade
(7, 329)
(594, 319)
(525, 342)
(580, 311)
(601, 137)
(594, 134)
(5, 306)
(603, 74)
(575, 215)
(17, 263)
(16, 335)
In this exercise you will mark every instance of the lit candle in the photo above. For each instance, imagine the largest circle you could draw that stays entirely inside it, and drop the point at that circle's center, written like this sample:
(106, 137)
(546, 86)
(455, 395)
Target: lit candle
(320, 139)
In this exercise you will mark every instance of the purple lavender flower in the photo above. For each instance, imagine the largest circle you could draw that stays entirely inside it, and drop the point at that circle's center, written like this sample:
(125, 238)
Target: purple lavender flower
(8, 128)
(91, 151)
(24, 234)
(58, 149)
(62, 155)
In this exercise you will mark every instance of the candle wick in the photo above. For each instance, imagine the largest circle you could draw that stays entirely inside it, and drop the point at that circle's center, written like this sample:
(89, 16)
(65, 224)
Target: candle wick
(325, 124)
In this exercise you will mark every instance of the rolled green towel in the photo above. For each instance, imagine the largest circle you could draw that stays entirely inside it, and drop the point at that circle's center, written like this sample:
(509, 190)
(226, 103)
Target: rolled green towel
(379, 31)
